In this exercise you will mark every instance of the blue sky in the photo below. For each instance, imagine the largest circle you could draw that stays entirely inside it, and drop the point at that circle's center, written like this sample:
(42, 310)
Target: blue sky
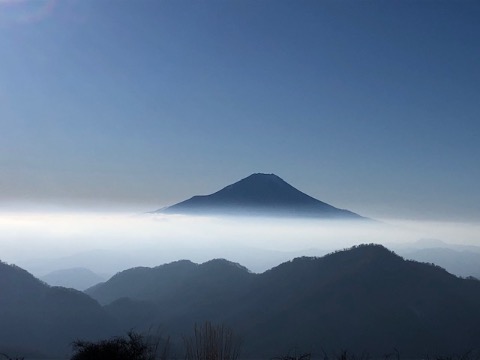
(368, 105)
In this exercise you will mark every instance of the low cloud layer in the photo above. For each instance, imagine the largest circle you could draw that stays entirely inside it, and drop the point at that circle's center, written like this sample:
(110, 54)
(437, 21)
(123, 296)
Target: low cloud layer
(110, 242)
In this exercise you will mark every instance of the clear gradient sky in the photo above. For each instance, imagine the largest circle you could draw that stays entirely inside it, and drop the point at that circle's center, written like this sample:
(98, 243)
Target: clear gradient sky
(372, 105)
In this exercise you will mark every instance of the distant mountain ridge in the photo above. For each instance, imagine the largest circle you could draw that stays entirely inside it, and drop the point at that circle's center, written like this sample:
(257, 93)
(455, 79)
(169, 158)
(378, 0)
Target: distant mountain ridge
(260, 194)
(364, 298)
(459, 259)
(459, 262)
(78, 278)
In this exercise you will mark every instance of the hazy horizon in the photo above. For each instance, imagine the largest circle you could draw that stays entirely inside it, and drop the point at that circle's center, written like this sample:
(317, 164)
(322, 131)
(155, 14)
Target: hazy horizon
(43, 242)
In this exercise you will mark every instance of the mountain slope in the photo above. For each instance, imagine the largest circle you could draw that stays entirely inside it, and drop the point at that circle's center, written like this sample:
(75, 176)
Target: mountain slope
(259, 194)
(365, 298)
(35, 316)
(459, 262)
(185, 277)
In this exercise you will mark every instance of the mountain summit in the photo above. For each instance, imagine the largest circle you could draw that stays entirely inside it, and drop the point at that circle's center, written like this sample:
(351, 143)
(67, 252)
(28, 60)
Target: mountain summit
(260, 194)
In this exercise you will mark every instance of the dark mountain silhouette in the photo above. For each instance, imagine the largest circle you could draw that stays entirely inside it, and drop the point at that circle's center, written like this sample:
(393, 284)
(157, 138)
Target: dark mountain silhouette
(76, 278)
(37, 317)
(260, 194)
(365, 298)
(184, 276)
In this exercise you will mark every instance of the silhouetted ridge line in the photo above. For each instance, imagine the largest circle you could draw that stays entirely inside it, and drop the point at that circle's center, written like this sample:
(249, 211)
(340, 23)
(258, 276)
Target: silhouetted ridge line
(362, 298)
(260, 194)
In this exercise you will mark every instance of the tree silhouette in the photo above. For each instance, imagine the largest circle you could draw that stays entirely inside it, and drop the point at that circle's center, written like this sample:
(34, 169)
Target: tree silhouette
(132, 347)
(10, 358)
(212, 342)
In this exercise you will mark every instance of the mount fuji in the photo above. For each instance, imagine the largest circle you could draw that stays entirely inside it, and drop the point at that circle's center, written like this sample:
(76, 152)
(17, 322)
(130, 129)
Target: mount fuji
(260, 195)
